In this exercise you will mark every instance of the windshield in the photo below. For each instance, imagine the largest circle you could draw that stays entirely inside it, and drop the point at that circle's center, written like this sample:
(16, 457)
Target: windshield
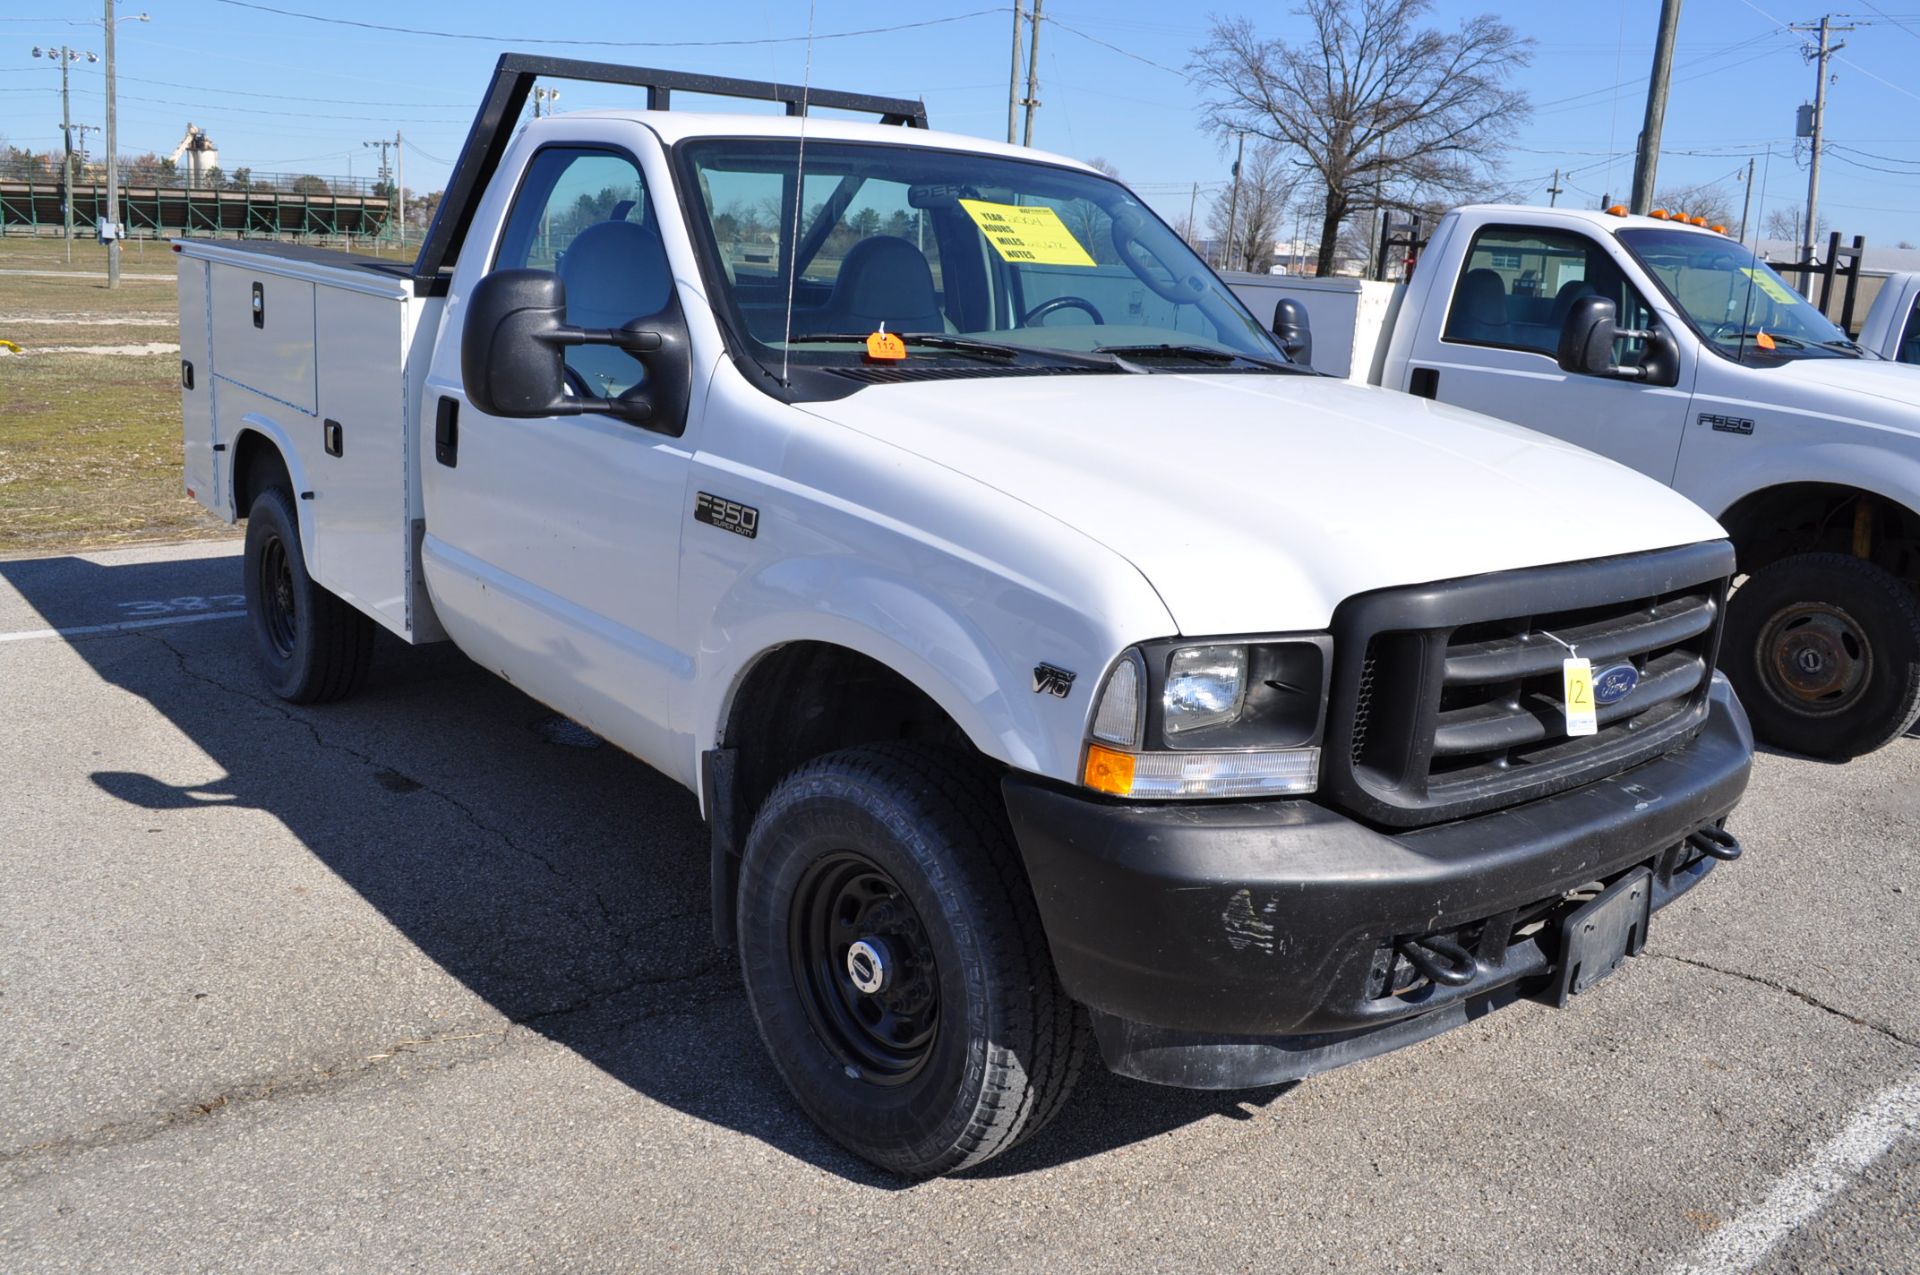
(1734, 300)
(992, 263)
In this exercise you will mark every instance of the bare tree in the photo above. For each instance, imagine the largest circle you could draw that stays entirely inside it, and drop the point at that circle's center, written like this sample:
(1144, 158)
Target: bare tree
(1784, 223)
(1266, 188)
(1705, 199)
(1378, 109)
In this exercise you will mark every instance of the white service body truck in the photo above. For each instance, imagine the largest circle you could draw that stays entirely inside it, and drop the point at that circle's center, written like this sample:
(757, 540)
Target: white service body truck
(1046, 651)
(1672, 348)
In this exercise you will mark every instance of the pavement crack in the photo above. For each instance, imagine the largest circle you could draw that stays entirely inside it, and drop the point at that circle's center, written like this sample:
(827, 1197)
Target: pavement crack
(24, 1163)
(1806, 998)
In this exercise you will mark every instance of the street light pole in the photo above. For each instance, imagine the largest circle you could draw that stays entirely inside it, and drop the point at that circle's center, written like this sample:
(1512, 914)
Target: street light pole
(65, 57)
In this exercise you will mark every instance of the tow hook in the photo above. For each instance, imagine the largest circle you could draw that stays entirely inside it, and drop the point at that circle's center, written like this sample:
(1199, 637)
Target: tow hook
(1440, 960)
(1716, 842)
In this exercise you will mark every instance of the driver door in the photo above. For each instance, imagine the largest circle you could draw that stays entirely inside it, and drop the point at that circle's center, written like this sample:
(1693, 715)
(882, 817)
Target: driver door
(1496, 350)
(554, 542)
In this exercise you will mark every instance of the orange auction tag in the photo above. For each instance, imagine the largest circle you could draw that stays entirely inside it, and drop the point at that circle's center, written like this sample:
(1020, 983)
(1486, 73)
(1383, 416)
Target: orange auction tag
(884, 346)
(1760, 339)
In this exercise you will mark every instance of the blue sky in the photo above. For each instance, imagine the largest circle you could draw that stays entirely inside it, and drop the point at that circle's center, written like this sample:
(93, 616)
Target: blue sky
(278, 93)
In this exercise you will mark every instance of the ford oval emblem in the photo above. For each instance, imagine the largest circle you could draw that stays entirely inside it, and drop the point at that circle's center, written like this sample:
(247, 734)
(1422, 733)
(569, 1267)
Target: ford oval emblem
(1614, 683)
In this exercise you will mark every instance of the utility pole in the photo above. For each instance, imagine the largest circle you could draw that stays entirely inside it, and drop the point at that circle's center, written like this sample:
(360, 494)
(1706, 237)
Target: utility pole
(1553, 190)
(113, 156)
(1746, 205)
(1033, 74)
(65, 57)
(400, 182)
(1647, 160)
(1193, 201)
(383, 144)
(1233, 202)
(1825, 50)
(1013, 76)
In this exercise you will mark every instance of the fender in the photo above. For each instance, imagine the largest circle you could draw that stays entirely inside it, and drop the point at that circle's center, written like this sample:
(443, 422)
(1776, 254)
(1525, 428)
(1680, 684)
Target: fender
(978, 680)
(275, 433)
(1878, 470)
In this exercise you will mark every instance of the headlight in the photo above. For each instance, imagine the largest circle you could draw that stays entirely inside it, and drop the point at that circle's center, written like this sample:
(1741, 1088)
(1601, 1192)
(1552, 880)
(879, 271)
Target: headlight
(1206, 686)
(1221, 719)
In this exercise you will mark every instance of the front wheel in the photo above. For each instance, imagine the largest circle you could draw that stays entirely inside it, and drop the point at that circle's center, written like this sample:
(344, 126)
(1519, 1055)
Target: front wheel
(1824, 650)
(310, 644)
(895, 963)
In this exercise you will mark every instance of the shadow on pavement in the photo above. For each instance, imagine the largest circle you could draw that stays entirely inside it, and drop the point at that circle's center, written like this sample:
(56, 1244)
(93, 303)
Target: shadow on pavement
(559, 879)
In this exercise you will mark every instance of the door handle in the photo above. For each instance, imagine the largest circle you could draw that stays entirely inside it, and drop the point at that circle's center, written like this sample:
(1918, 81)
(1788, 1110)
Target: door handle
(446, 433)
(331, 438)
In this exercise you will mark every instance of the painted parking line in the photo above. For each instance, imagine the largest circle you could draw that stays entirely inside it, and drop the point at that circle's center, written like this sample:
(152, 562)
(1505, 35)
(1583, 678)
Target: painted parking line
(84, 630)
(1806, 1188)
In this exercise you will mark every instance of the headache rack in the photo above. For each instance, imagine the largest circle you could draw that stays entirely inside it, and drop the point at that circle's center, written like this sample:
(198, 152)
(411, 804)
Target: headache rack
(506, 96)
(1447, 698)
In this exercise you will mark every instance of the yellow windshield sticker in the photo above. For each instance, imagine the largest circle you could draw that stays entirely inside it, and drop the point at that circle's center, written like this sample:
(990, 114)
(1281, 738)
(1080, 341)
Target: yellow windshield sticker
(1027, 236)
(1770, 284)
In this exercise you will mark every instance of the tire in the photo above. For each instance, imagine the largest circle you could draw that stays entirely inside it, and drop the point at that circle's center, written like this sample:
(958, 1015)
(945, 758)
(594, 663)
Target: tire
(311, 646)
(967, 1044)
(1824, 650)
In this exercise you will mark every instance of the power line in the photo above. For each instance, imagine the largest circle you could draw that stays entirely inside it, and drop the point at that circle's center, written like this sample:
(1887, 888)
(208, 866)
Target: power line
(1125, 53)
(493, 38)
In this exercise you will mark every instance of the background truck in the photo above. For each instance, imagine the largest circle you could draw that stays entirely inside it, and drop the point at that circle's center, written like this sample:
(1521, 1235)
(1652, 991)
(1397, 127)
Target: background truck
(1046, 651)
(1671, 348)
(1892, 328)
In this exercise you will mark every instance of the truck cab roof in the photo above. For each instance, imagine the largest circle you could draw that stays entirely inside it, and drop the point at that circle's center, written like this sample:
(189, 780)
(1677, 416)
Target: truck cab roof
(1597, 219)
(676, 126)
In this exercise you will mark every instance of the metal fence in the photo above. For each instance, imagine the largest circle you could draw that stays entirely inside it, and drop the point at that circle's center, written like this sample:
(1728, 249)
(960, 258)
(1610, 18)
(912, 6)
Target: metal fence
(160, 204)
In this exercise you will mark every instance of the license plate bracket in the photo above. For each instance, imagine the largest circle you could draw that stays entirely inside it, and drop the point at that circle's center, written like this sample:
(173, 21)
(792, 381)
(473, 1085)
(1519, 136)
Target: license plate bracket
(1598, 938)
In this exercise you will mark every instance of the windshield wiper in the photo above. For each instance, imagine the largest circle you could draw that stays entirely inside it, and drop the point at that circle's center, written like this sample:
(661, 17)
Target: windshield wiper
(1200, 354)
(1843, 345)
(1000, 351)
(1746, 337)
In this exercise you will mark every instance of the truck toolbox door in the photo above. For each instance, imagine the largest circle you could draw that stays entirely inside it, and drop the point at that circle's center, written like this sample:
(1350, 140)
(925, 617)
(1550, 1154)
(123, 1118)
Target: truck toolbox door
(553, 543)
(1490, 346)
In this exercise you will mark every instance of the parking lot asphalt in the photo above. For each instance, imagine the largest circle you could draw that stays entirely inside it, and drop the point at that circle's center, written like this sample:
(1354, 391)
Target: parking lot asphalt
(424, 981)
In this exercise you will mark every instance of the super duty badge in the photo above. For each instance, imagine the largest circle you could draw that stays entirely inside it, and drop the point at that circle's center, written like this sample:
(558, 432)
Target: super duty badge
(728, 515)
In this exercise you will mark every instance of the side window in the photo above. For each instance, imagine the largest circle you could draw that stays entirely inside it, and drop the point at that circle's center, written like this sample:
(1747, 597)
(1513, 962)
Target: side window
(1910, 341)
(1519, 282)
(586, 216)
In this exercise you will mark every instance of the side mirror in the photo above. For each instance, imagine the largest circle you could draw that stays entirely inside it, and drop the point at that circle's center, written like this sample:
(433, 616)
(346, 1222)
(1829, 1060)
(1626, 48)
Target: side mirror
(513, 346)
(1586, 345)
(513, 356)
(1295, 332)
(1587, 335)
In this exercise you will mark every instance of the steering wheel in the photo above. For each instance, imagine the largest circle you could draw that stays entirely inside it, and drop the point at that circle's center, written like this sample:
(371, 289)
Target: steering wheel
(1045, 308)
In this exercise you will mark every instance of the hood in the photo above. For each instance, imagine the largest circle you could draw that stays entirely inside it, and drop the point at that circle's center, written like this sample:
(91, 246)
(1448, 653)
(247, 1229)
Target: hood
(1872, 378)
(1256, 503)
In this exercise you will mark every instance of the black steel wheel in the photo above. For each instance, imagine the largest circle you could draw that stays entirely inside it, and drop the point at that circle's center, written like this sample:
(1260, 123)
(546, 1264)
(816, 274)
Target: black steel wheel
(311, 646)
(1824, 650)
(864, 968)
(895, 963)
(278, 618)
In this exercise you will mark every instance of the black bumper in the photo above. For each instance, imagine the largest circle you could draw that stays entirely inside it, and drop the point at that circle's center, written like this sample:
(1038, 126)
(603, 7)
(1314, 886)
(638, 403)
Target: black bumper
(1226, 945)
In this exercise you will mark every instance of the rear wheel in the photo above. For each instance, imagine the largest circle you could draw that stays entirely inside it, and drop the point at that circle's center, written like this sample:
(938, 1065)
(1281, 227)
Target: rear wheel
(1825, 652)
(895, 963)
(311, 646)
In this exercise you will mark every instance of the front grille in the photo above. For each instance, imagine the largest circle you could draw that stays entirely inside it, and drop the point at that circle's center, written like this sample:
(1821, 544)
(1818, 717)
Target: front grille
(1448, 698)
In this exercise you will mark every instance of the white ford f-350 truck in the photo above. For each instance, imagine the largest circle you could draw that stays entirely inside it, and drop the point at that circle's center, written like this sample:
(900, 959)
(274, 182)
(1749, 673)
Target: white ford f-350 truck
(1054, 662)
(1673, 349)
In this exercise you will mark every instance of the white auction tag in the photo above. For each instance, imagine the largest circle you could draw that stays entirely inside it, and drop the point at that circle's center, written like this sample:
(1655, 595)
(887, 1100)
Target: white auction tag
(1578, 676)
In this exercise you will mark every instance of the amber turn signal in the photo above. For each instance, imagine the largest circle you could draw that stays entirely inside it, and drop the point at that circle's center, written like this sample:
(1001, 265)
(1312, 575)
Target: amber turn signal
(1109, 771)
